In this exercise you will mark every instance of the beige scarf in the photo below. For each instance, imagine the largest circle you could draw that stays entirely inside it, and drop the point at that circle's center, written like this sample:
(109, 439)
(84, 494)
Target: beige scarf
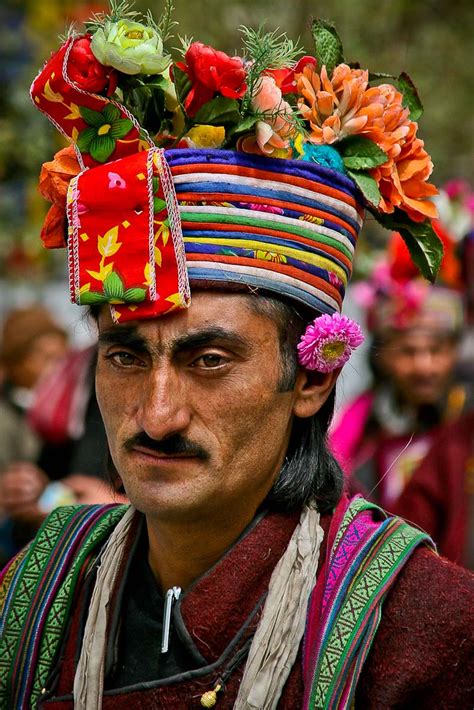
(281, 628)
(276, 641)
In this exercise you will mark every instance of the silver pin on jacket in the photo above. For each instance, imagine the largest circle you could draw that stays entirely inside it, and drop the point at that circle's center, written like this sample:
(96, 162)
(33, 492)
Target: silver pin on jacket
(172, 595)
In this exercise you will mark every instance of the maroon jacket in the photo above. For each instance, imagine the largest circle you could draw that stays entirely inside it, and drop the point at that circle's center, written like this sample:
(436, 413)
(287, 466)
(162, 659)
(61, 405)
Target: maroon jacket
(440, 496)
(420, 657)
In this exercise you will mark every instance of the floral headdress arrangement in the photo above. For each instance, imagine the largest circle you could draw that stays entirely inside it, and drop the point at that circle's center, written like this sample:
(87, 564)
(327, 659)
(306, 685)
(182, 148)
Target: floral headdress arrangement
(269, 102)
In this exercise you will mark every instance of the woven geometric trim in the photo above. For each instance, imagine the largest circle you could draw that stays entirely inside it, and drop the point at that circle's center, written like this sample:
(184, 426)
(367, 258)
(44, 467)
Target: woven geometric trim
(356, 612)
(8, 575)
(38, 605)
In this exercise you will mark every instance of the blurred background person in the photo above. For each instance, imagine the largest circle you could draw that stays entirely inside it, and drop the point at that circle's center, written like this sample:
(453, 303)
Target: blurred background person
(440, 495)
(31, 345)
(66, 460)
(383, 434)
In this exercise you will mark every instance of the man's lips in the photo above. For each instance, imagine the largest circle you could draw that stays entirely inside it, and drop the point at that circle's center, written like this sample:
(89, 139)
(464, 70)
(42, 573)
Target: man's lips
(162, 456)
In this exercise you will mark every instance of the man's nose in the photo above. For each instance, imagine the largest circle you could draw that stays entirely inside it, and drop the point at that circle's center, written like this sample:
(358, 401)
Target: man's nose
(163, 409)
(424, 362)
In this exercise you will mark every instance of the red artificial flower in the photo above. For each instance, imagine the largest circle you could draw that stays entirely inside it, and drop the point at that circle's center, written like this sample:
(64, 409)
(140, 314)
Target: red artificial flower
(87, 72)
(285, 78)
(403, 269)
(211, 72)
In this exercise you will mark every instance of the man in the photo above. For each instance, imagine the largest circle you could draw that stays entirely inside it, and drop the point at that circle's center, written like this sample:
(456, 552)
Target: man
(239, 577)
(385, 432)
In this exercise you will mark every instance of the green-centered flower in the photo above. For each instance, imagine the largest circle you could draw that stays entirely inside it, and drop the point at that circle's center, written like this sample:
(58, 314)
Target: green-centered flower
(104, 129)
(130, 47)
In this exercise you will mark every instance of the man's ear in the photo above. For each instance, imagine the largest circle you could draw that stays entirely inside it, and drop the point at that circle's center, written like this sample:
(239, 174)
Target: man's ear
(312, 390)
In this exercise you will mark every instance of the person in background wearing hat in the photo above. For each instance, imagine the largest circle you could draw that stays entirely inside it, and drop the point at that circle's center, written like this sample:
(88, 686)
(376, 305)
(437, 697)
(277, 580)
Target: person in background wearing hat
(240, 576)
(383, 434)
(52, 439)
(32, 344)
(440, 495)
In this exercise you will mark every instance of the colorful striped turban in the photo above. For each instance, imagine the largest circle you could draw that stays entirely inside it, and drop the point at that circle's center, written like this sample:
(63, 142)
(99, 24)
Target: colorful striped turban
(284, 226)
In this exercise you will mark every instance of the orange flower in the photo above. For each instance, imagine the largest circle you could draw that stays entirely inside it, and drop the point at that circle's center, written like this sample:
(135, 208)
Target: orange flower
(333, 107)
(53, 233)
(54, 181)
(403, 180)
(346, 105)
(56, 175)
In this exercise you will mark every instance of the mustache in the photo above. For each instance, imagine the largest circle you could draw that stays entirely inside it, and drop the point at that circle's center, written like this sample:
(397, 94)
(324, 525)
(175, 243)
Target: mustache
(171, 446)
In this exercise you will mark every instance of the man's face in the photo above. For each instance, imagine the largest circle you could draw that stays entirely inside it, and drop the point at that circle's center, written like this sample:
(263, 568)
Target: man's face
(195, 422)
(420, 365)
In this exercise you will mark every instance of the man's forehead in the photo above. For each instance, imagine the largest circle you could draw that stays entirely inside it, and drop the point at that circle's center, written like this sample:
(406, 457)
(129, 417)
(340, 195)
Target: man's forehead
(419, 338)
(211, 315)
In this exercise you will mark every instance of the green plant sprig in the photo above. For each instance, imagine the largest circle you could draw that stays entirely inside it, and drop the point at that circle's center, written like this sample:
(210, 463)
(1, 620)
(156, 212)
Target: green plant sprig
(266, 50)
(166, 23)
(117, 11)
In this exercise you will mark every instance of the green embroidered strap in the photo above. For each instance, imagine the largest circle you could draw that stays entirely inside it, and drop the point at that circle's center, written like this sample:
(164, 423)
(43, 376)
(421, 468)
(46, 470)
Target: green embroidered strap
(365, 559)
(40, 596)
(360, 611)
(8, 574)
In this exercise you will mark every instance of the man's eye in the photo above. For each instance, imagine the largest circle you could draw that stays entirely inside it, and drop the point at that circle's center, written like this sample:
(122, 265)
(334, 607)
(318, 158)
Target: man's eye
(212, 360)
(123, 359)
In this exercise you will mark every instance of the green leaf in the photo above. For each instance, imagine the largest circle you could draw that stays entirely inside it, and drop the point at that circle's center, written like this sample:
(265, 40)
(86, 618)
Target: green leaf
(120, 128)
(425, 247)
(134, 295)
(113, 286)
(427, 253)
(411, 99)
(155, 111)
(92, 118)
(158, 205)
(102, 147)
(247, 123)
(368, 187)
(85, 139)
(361, 153)
(156, 82)
(376, 75)
(89, 298)
(328, 45)
(217, 112)
(181, 82)
(110, 114)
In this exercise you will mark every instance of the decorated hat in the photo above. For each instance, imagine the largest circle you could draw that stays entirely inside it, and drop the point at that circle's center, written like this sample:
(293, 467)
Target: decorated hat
(247, 172)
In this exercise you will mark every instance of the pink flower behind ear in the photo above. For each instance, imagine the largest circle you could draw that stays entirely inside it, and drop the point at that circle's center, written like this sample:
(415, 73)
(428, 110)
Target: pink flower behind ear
(328, 342)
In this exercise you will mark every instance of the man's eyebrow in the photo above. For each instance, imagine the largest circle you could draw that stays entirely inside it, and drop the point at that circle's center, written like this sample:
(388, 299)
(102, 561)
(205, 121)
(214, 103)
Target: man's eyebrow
(126, 336)
(206, 336)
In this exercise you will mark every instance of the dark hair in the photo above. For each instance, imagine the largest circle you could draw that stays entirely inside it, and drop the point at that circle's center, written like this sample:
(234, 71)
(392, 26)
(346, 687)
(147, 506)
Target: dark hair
(309, 472)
